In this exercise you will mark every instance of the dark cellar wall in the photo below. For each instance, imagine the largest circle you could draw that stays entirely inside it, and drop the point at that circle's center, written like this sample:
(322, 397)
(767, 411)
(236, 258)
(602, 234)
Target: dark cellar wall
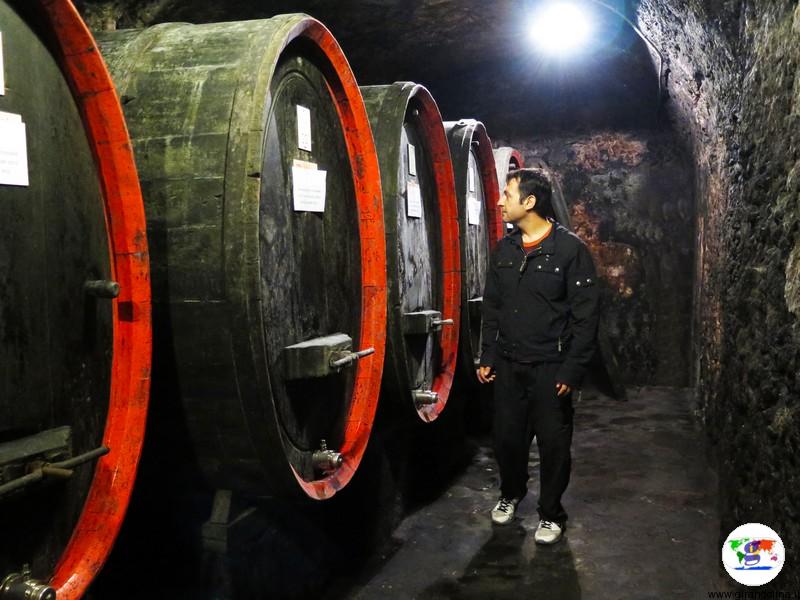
(630, 199)
(732, 97)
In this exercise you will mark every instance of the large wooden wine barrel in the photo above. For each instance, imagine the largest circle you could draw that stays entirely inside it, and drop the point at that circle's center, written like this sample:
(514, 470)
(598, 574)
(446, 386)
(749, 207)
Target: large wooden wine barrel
(560, 210)
(422, 246)
(505, 160)
(481, 226)
(263, 200)
(75, 305)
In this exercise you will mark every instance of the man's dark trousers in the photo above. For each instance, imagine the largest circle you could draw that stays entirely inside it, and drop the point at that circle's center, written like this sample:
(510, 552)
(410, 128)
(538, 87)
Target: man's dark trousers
(526, 404)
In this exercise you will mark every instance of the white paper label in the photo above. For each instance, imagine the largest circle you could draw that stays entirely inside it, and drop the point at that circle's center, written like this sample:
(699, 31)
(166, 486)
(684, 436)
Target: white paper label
(7, 116)
(473, 210)
(412, 160)
(308, 188)
(303, 128)
(471, 177)
(414, 204)
(13, 153)
(2, 69)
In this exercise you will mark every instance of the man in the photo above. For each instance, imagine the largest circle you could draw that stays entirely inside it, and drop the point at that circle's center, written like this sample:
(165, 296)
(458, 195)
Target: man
(540, 314)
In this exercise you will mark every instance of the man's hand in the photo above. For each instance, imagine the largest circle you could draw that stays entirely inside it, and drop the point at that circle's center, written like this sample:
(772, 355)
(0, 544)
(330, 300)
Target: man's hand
(562, 389)
(485, 374)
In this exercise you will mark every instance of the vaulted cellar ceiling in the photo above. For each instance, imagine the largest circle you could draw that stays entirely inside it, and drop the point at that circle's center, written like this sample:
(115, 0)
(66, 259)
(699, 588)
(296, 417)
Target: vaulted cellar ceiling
(475, 56)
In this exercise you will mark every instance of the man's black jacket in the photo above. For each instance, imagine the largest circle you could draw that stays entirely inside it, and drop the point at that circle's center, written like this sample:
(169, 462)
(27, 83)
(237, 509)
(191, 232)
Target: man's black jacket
(542, 307)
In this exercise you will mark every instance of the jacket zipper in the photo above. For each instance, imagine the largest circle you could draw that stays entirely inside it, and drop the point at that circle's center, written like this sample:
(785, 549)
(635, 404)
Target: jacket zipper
(524, 264)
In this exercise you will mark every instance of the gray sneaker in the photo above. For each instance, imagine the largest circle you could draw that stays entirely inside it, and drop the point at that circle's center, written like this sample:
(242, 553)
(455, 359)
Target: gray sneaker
(548, 532)
(503, 512)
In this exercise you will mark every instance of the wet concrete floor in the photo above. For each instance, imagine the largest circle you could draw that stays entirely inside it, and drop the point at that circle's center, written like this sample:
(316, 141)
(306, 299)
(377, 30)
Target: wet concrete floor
(643, 522)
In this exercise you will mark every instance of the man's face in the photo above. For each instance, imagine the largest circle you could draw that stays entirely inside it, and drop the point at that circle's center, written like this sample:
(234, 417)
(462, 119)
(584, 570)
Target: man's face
(511, 208)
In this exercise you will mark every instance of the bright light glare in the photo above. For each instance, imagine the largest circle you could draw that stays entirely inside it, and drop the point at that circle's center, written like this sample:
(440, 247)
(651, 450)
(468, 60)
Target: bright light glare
(559, 28)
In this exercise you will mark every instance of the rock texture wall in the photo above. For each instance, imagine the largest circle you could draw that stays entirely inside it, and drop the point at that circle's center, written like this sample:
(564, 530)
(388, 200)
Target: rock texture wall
(630, 199)
(734, 94)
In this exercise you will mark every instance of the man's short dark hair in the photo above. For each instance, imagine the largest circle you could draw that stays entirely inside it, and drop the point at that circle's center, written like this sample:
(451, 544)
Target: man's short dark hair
(534, 182)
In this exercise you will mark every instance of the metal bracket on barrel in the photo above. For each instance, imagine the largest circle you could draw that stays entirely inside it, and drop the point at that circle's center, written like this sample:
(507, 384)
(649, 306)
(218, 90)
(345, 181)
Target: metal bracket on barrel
(31, 459)
(20, 586)
(101, 288)
(423, 322)
(18, 456)
(320, 357)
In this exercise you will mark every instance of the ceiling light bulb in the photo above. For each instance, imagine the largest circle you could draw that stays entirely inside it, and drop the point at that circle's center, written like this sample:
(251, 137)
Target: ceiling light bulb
(559, 28)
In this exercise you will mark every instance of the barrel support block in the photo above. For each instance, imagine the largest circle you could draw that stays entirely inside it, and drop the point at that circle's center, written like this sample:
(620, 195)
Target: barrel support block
(228, 524)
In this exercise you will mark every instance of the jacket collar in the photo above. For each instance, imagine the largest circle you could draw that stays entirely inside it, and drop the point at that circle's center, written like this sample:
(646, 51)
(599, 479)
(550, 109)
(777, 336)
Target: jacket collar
(549, 243)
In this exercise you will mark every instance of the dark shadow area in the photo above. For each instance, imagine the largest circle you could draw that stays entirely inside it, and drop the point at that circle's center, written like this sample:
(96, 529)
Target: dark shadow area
(508, 567)
(158, 545)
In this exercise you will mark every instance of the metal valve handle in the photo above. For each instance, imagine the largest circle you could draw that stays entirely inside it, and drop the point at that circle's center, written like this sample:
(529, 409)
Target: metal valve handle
(20, 586)
(437, 323)
(56, 470)
(349, 358)
(326, 460)
(425, 397)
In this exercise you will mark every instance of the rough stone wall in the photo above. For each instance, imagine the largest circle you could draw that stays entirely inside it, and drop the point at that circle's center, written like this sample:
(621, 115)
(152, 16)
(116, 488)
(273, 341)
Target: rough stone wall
(630, 200)
(734, 93)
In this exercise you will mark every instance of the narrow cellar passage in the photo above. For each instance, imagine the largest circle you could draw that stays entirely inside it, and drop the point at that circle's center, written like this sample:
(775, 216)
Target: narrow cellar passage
(295, 295)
